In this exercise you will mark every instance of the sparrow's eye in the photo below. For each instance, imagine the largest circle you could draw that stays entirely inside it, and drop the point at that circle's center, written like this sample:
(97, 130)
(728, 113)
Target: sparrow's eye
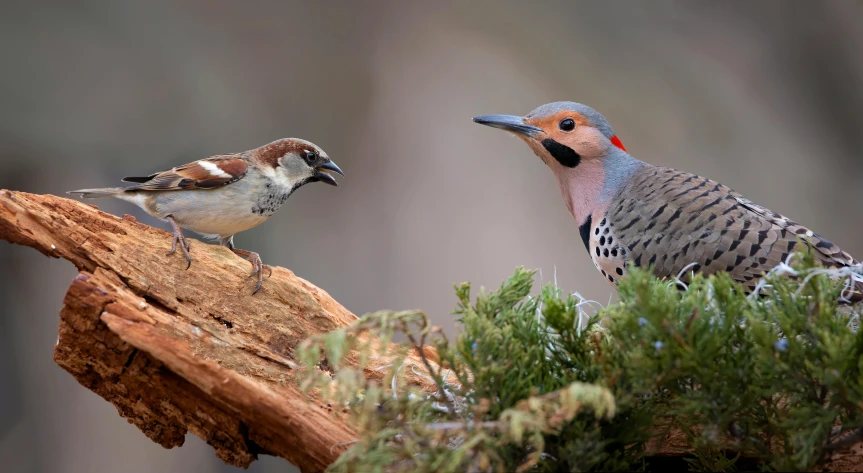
(309, 155)
(567, 124)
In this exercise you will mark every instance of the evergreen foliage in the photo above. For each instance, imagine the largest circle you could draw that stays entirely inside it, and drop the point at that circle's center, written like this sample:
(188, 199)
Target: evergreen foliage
(549, 384)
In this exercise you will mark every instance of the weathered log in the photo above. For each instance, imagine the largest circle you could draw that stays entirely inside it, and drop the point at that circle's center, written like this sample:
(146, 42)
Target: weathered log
(177, 350)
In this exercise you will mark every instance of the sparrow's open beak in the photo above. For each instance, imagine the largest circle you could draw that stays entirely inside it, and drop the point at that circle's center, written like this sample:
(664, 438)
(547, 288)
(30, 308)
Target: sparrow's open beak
(510, 123)
(323, 176)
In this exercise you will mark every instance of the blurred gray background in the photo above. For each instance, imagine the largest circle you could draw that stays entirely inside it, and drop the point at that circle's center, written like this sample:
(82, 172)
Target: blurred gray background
(766, 97)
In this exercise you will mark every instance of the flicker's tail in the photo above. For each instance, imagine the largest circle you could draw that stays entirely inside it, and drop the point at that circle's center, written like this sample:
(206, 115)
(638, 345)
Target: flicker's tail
(98, 193)
(856, 295)
(852, 292)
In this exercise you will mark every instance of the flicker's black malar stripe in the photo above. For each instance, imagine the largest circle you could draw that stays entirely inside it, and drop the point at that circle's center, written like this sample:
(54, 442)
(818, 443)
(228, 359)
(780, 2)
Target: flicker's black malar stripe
(565, 155)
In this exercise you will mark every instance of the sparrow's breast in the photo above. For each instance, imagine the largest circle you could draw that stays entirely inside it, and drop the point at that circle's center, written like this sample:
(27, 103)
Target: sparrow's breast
(223, 211)
(270, 201)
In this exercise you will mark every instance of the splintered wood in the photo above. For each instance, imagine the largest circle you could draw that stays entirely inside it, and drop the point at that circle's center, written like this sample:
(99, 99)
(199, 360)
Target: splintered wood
(178, 350)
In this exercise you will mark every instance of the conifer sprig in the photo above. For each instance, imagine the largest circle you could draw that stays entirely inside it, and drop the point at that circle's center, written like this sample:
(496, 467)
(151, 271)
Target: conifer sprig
(544, 383)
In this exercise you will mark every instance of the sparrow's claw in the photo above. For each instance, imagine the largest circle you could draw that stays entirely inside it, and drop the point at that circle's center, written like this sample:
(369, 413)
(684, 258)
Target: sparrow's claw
(185, 245)
(257, 266)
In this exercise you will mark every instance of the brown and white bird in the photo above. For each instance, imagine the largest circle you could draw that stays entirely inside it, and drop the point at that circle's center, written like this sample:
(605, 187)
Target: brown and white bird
(220, 196)
(632, 212)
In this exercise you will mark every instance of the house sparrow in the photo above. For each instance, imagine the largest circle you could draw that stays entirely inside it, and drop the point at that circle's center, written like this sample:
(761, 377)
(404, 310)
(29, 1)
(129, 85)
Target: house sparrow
(218, 197)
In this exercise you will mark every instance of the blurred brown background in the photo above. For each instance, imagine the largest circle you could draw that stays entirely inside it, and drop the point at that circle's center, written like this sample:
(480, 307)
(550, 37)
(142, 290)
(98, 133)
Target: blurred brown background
(766, 97)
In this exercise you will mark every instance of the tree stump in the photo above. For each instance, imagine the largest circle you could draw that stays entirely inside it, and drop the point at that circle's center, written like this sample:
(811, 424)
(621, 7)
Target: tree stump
(177, 350)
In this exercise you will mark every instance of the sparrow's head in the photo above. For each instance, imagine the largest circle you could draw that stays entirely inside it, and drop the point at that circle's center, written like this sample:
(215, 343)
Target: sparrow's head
(296, 162)
(560, 132)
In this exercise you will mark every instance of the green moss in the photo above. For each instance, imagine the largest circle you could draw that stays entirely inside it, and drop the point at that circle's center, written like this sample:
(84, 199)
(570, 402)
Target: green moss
(546, 386)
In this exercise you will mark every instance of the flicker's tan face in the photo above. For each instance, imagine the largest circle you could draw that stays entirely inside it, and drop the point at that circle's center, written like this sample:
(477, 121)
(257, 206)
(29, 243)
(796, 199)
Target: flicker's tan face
(571, 130)
(561, 138)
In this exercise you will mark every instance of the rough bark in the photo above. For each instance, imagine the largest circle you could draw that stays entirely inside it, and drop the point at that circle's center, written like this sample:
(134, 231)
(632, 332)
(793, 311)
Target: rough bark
(179, 350)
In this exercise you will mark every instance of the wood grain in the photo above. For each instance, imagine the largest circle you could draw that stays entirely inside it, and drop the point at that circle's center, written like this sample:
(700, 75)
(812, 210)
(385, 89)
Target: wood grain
(178, 350)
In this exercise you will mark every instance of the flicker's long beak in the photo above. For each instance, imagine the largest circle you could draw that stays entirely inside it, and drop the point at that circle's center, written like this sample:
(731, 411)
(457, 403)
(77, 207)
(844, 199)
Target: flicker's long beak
(323, 176)
(510, 123)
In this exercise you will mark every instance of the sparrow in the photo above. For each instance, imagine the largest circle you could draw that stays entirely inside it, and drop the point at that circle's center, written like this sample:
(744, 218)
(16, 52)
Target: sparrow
(632, 213)
(220, 196)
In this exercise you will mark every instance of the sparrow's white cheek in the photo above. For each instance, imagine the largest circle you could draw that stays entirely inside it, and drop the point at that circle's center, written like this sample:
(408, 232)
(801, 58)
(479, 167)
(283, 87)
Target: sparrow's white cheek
(286, 178)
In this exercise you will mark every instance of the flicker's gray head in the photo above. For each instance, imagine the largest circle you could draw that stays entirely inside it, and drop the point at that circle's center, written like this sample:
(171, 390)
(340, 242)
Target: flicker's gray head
(565, 132)
(563, 110)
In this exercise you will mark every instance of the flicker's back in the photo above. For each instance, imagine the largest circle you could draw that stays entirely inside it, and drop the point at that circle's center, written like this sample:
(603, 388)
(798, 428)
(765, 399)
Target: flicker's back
(671, 219)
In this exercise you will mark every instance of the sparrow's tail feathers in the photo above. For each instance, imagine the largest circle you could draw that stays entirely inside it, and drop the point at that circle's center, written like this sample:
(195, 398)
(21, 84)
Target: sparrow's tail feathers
(98, 193)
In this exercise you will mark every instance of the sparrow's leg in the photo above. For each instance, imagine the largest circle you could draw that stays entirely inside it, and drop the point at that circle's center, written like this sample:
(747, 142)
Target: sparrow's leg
(258, 266)
(184, 244)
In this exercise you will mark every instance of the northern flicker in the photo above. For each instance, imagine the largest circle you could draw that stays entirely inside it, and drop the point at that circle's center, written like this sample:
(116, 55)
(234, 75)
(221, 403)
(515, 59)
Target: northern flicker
(632, 212)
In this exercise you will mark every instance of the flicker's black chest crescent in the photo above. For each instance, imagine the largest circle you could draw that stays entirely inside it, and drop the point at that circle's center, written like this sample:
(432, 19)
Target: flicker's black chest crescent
(608, 252)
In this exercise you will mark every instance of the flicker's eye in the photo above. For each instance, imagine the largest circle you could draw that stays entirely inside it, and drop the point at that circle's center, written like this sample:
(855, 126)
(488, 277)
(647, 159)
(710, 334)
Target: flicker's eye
(309, 155)
(567, 124)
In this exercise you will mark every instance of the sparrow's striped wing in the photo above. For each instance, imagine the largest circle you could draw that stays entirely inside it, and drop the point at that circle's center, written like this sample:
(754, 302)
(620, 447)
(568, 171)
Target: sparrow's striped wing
(209, 173)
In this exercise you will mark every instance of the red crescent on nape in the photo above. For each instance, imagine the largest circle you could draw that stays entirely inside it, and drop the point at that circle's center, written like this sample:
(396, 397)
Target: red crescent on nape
(616, 142)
